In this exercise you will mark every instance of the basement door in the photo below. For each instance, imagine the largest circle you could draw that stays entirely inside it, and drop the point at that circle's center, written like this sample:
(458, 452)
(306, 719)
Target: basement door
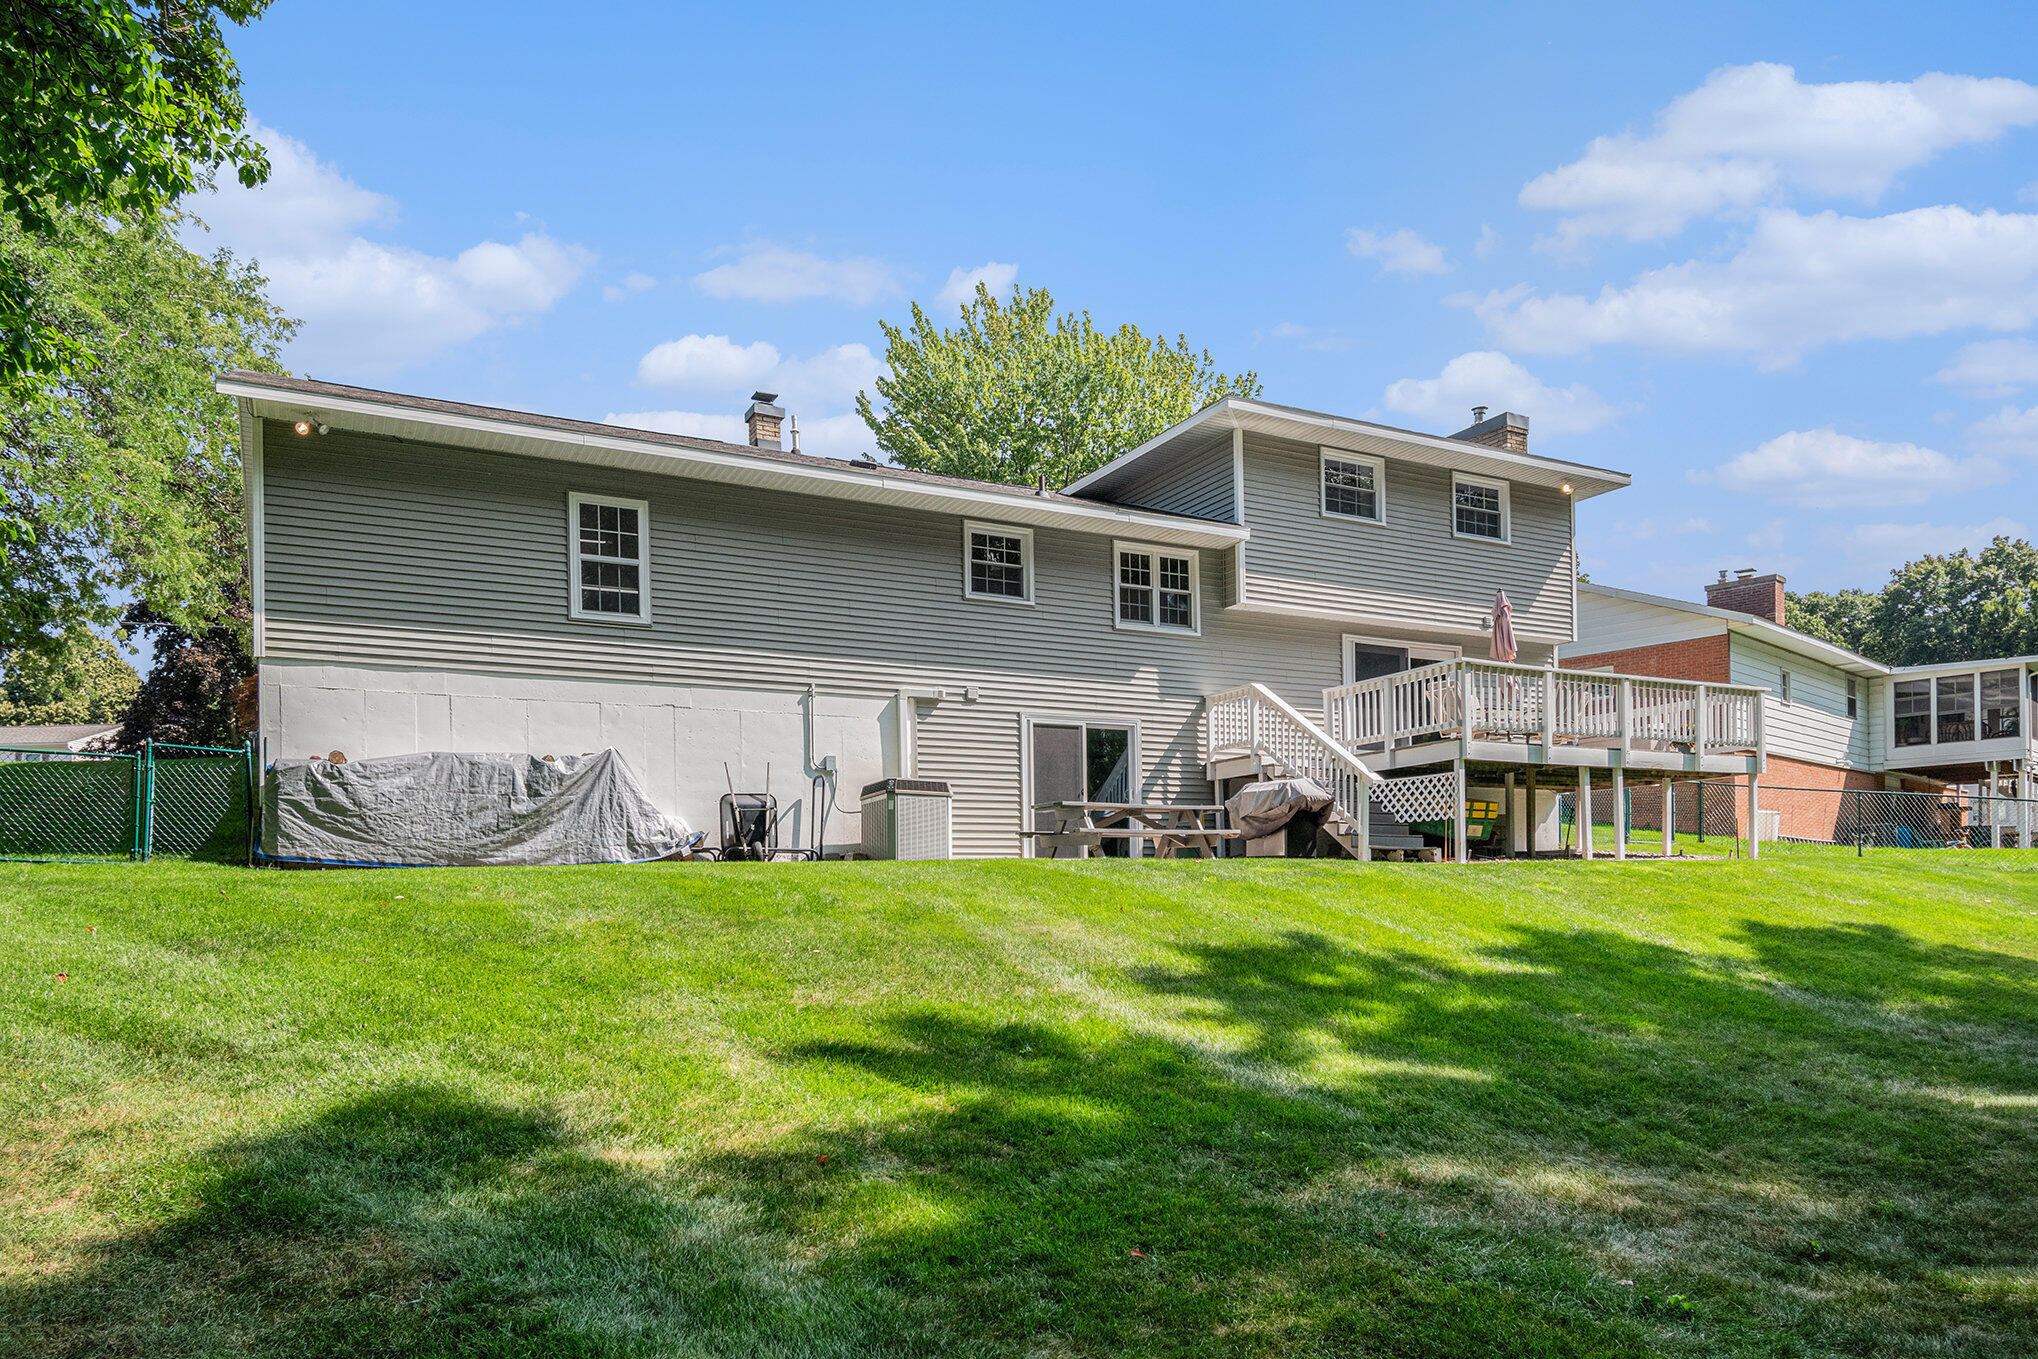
(1080, 762)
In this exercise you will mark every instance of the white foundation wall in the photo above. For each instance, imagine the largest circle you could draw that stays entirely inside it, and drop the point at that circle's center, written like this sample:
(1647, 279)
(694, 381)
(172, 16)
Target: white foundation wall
(676, 737)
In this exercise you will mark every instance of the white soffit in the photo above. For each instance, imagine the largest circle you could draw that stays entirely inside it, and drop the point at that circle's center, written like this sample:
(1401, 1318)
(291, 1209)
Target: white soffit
(621, 449)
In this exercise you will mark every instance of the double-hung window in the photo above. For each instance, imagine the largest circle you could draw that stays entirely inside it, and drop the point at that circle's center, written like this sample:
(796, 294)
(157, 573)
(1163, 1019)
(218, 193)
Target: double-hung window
(997, 562)
(1479, 508)
(1354, 486)
(1155, 587)
(610, 542)
(1853, 697)
(1913, 703)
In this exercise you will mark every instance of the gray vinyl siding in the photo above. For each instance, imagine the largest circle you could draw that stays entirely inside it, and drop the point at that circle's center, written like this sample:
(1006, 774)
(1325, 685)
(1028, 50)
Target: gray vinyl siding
(389, 553)
(1196, 480)
(1410, 570)
(1814, 725)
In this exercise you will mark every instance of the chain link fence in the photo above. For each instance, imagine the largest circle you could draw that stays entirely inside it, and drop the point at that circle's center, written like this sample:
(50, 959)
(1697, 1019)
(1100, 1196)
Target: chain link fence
(87, 806)
(1711, 817)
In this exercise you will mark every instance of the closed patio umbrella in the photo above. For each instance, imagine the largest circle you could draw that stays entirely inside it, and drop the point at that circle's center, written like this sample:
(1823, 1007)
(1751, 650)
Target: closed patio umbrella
(1503, 628)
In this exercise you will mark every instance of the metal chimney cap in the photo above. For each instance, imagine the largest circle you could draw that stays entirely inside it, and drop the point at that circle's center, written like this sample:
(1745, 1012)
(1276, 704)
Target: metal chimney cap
(1744, 572)
(768, 398)
(1478, 414)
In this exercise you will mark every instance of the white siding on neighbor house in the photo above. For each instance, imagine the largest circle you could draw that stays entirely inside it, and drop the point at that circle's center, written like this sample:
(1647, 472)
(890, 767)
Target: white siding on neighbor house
(1409, 571)
(390, 555)
(1609, 624)
(1814, 725)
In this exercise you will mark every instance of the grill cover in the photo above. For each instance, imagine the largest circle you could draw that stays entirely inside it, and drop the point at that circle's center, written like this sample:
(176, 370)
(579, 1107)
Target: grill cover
(479, 810)
(1260, 809)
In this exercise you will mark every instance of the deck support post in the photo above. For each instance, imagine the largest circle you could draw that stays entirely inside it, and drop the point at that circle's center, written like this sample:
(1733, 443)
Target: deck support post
(1584, 817)
(1669, 817)
(1513, 820)
(1529, 825)
(1754, 815)
(2027, 815)
(1620, 812)
(1995, 824)
(1464, 843)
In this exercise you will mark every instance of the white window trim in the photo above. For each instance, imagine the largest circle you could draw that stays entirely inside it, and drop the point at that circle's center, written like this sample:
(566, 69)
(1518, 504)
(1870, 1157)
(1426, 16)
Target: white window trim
(574, 500)
(1783, 686)
(1025, 537)
(1379, 465)
(1419, 653)
(1195, 628)
(1506, 508)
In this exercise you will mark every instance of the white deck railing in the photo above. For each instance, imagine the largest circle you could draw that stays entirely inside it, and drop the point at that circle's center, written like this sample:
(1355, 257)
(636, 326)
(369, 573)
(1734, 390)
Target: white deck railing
(1254, 720)
(1495, 700)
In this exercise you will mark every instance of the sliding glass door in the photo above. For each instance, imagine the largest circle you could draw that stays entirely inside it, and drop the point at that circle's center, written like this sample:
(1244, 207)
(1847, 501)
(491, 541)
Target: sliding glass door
(1080, 762)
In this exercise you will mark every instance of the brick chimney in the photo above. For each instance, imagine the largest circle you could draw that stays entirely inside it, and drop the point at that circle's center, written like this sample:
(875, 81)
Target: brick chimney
(1748, 593)
(763, 419)
(1505, 430)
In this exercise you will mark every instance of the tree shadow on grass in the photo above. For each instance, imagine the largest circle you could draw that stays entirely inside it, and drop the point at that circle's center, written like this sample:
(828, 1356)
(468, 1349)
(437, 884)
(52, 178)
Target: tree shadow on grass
(418, 1221)
(1311, 1149)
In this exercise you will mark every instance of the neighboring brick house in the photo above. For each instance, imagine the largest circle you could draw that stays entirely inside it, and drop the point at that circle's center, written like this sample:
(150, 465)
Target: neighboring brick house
(1835, 720)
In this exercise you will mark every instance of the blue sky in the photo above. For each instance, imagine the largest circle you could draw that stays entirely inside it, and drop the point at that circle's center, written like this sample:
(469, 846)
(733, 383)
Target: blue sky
(1779, 262)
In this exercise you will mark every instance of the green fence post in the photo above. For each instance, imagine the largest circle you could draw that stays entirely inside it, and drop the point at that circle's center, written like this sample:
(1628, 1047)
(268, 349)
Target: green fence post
(148, 833)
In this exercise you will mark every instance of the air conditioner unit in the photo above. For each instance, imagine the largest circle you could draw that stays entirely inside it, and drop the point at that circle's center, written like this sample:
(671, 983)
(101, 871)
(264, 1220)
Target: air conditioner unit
(906, 819)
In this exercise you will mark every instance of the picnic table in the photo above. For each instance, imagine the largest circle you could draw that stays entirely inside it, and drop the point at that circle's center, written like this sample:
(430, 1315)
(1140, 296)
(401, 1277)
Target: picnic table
(1173, 827)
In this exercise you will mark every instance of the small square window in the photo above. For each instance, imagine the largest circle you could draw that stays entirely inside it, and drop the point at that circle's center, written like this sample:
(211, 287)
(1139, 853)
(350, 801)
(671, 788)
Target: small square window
(610, 543)
(1156, 589)
(1352, 486)
(998, 563)
(1479, 509)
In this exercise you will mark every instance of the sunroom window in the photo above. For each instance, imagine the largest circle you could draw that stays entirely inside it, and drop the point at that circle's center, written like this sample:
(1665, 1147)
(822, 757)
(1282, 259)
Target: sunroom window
(1913, 703)
(1956, 708)
(1999, 715)
(1156, 589)
(611, 544)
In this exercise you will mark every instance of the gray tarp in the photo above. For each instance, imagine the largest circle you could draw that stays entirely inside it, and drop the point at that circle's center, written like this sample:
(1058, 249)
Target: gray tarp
(442, 808)
(1262, 808)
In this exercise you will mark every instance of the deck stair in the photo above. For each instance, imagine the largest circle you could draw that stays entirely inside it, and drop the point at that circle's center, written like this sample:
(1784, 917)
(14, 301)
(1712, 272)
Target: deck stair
(1252, 722)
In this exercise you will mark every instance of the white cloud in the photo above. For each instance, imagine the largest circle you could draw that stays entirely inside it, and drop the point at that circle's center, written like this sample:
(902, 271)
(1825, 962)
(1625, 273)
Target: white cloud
(1824, 468)
(2009, 430)
(1879, 547)
(1801, 281)
(370, 308)
(1653, 529)
(961, 288)
(716, 363)
(1488, 242)
(1399, 252)
(1993, 367)
(832, 436)
(1308, 337)
(763, 272)
(707, 363)
(632, 283)
(1750, 134)
(1489, 378)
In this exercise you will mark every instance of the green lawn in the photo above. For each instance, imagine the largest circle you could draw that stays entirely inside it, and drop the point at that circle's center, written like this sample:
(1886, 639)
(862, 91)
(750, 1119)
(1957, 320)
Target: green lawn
(1306, 1108)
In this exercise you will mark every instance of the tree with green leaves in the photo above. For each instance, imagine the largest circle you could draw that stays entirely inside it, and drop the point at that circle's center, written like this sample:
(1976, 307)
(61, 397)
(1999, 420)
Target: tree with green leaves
(86, 681)
(188, 696)
(1842, 617)
(108, 108)
(1959, 606)
(120, 481)
(1014, 393)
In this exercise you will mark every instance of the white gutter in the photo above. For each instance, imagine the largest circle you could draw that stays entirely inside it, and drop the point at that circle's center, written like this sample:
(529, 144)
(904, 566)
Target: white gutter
(1017, 505)
(1790, 639)
(1318, 420)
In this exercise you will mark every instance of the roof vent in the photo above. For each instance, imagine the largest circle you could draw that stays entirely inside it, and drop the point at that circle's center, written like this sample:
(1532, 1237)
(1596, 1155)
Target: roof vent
(1478, 414)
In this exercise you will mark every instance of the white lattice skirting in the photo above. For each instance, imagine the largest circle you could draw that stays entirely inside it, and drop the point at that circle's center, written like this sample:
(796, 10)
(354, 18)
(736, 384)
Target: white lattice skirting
(1424, 797)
